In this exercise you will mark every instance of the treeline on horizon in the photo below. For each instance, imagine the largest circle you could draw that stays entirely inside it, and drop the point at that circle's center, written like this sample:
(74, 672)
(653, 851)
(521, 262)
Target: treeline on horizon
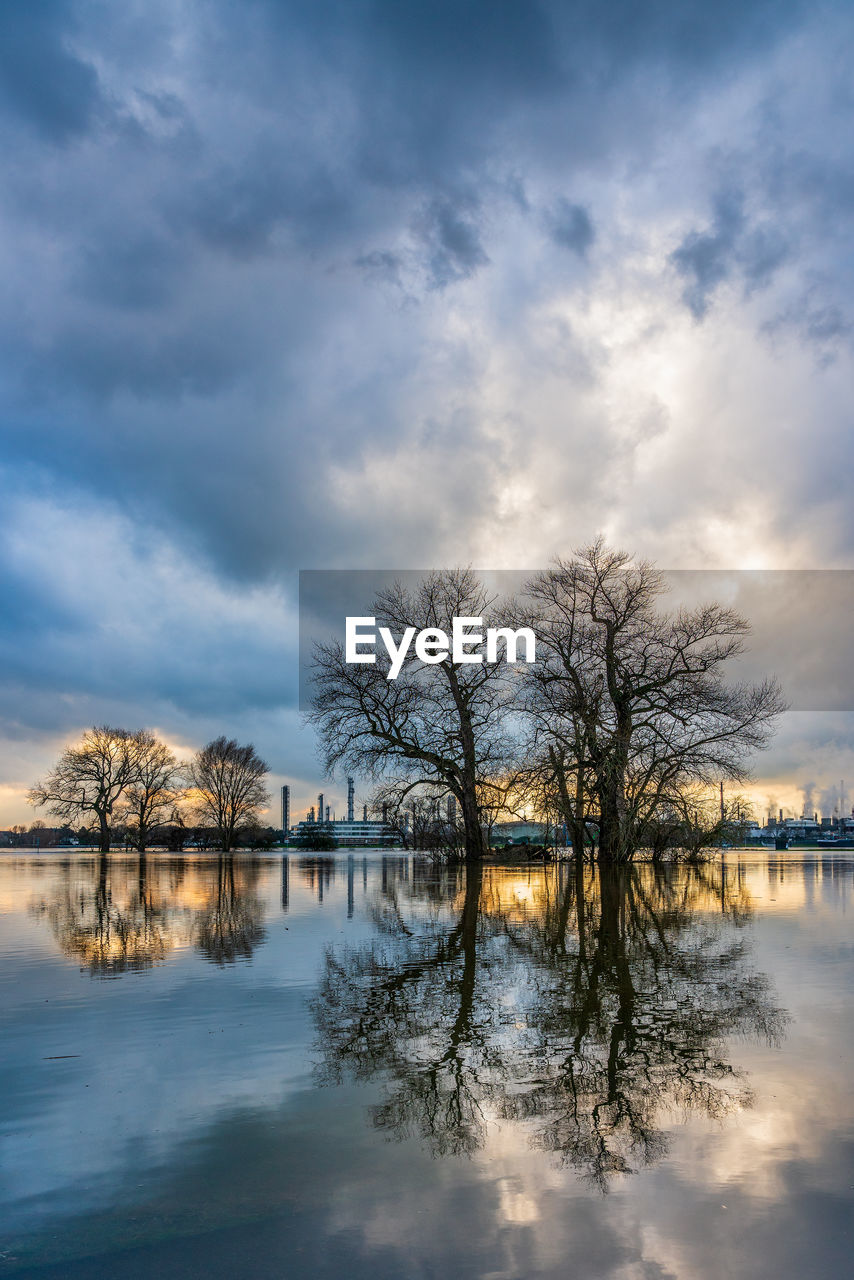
(623, 729)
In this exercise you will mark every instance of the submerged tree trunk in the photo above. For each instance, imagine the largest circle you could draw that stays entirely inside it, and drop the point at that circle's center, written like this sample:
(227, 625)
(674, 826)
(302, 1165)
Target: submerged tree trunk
(143, 832)
(614, 824)
(472, 826)
(475, 846)
(571, 809)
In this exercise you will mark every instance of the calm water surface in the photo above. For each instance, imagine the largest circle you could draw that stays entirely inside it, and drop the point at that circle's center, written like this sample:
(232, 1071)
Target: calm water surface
(375, 1067)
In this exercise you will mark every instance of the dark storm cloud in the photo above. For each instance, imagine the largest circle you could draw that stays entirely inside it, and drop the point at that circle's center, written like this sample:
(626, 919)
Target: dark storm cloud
(451, 242)
(238, 209)
(705, 259)
(425, 84)
(42, 82)
(823, 327)
(381, 266)
(570, 225)
(142, 272)
(433, 82)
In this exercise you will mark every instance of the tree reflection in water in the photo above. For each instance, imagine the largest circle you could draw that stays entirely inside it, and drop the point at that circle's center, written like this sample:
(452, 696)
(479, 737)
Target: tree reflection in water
(115, 914)
(229, 927)
(588, 1004)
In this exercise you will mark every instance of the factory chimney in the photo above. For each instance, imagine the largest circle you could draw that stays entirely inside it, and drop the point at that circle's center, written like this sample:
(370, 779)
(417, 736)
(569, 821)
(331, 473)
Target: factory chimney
(286, 811)
(350, 799)
(364, 813)
(320, 807)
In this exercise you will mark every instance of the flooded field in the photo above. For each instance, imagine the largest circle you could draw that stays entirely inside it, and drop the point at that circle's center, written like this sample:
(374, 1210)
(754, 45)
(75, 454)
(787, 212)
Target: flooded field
(374, 1066)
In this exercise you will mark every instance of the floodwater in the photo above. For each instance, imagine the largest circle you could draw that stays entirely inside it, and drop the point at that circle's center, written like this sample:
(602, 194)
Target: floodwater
(371, 1066)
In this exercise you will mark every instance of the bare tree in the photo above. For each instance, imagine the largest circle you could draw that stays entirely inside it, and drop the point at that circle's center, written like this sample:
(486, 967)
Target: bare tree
(419, 814)
(693, 818)
(630, 701)
(227, 786)
(154, 790)
(441, 723)
(90, 778)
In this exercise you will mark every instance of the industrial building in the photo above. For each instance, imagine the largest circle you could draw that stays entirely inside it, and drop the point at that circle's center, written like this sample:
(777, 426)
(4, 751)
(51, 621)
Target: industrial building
(348, 832)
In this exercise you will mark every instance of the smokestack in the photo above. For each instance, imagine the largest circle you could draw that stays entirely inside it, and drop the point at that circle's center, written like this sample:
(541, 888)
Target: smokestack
(320, 807)
(311, 814)
(351, 795)
(327, 813)
(286, 811)
(364, 813)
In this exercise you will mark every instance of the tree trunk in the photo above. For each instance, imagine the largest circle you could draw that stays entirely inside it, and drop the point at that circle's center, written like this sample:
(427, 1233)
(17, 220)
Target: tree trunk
(142, 835)
(474, 843)
(572, 813)
(103, 834)
(614, 834)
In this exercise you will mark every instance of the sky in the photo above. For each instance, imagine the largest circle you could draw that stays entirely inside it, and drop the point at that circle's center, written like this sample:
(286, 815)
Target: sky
(388, 283)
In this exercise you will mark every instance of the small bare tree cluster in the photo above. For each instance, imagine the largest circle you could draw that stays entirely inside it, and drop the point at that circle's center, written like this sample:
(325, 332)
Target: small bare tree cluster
(110, 773)
(694, 819)
(423, 815)
(226, 785)
(116, 777)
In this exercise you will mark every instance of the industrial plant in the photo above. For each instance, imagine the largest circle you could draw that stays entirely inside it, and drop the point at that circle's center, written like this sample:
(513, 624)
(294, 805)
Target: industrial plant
(350, 831)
